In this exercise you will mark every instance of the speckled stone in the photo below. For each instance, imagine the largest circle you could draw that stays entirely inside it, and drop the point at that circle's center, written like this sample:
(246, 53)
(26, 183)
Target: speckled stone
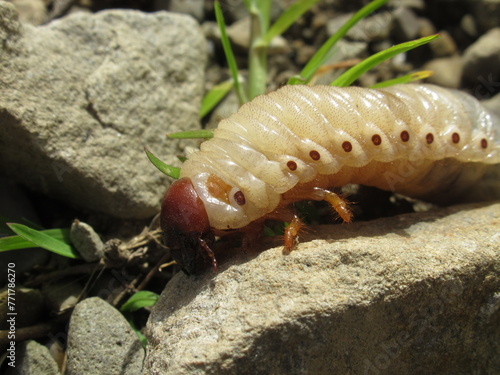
(82, 96)
(411, 294)
(101, 341)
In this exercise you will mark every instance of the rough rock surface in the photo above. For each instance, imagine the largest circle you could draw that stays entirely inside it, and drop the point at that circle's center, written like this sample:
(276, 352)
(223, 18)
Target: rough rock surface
(101, 341)
(413, 294)
(33, 358)
(81, 97)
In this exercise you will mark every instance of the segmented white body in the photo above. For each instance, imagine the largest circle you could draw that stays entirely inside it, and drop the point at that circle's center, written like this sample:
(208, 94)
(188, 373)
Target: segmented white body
(419, 140)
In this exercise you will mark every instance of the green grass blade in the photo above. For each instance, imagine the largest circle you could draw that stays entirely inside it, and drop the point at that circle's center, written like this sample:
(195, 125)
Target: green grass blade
(170, 171)
(18, 242)
(257, 55)
(353, 74)
(263, 8)
(138, 300)
(45, 241)
(4, 229)
(228, 51)
(408, 78)
(289, 16)
(192, 134)
(214, 96)
(14, 243)
(326, 50)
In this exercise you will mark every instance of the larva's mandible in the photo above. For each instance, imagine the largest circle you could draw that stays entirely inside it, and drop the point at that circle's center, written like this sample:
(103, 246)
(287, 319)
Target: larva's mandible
(292, 144)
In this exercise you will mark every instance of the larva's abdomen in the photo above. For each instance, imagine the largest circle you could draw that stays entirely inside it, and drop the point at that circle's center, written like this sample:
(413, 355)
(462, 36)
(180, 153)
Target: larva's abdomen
(397, 138)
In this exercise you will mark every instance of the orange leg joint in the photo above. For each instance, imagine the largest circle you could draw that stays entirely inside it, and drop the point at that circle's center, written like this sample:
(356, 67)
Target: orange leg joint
(338, 203)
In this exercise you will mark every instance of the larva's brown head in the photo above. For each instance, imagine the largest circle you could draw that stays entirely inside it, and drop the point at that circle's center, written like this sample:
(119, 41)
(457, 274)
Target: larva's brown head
(186, 228)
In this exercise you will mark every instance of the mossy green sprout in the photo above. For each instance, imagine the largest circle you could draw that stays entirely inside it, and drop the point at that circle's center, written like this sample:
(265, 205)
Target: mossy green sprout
(261, 36)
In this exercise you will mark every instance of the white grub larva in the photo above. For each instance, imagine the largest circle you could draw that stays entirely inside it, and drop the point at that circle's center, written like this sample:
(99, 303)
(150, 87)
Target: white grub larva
(293, 144)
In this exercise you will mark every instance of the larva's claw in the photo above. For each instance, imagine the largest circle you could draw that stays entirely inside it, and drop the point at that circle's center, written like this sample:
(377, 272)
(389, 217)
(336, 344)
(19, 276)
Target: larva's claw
(209, 252)
(291, 235)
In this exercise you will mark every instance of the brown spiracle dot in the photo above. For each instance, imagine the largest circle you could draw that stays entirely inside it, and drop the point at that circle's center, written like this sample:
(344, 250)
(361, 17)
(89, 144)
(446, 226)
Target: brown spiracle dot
(455, 138)
(291, 165)
(405, 136)
(484, 143)
(429, 138)
(314, 155)
(376, 139)
(239, 197)
(347, 146)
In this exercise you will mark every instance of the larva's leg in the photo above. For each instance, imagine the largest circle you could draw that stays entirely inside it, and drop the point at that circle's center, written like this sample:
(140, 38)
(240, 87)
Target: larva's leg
(292, 230)
(339, 204)
(291, 235)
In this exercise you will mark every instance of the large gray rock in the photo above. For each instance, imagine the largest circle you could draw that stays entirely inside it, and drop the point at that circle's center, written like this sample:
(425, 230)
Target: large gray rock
(413, 294)
(101, 341)
(82, 96)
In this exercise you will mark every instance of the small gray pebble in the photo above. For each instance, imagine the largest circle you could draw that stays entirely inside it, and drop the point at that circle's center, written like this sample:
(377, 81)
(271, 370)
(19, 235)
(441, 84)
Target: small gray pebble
(86, 241)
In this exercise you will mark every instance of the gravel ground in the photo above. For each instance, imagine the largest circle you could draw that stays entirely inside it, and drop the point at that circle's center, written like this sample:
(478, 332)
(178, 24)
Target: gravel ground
(466, 57)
